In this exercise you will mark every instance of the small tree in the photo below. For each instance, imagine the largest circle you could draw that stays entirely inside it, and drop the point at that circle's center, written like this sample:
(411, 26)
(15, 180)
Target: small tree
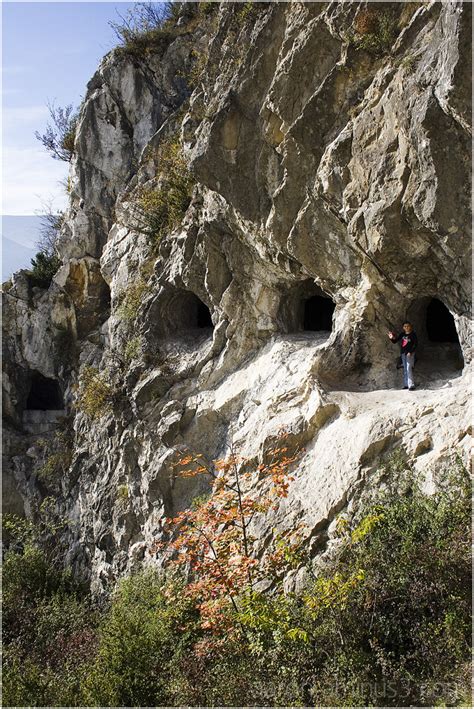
(214, 541)
(60, 133)
(43, 269)
(50, 226)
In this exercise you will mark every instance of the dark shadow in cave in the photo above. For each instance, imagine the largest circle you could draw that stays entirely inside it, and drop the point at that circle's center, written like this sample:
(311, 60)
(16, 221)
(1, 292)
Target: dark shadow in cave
(317, 314)
(45, 394)
(181, 311)
(439, 350)
(440, 325)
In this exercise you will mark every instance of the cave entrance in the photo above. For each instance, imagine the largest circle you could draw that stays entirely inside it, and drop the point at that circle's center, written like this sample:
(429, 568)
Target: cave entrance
(181, 311)
(306, 308)
(439, 350)
(44, 395)
(317, 313)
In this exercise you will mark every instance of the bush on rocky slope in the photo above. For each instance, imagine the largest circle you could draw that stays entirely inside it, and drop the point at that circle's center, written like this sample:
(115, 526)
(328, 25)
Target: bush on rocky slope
(385, 622)
(158, 210)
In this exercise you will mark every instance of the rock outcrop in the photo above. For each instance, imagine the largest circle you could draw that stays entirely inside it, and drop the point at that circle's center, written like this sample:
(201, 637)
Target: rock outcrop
(331, 201)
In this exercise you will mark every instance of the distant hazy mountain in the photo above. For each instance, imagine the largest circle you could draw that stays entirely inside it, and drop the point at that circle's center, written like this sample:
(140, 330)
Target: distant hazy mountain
(19, 236)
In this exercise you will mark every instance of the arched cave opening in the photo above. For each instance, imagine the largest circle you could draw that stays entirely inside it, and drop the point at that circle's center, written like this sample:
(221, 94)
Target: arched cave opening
(181, 311)
(317, 313)
(306, 308)
(439, 349)
(44, 395)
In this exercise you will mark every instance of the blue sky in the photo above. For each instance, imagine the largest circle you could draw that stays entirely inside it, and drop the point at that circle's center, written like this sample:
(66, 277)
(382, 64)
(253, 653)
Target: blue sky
(50, 50)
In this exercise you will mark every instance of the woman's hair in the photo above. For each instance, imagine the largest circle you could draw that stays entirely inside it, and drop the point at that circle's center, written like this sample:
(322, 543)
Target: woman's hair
(407, 322)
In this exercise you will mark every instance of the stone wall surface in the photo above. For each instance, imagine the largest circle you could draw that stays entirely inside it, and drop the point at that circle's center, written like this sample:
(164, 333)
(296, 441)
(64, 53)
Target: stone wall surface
(320, 168)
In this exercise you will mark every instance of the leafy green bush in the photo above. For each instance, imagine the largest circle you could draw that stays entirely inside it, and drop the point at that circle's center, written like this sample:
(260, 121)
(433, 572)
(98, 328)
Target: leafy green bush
(388, 621)
(131, 300)
(44, 267)
(159, 210)
(141, 639)
(133, 349)
(95, 395)
(384, 622)
(57, 456)
(48, 621)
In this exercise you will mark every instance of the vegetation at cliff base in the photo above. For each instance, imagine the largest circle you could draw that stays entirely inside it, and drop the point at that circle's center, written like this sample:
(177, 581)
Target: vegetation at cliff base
(384, 622)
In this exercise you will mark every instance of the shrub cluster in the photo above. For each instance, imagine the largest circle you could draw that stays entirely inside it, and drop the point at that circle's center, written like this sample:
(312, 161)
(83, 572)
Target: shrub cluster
(60, 134)
(375, 30)
(386, 622)
(57, 456)
(157, 211)
(150, 27)
(133, 349)
(49, 623)
(131, 301)
(95, 393)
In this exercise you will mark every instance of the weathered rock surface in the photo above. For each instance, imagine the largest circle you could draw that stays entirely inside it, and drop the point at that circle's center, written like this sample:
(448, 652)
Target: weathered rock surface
(322, 171)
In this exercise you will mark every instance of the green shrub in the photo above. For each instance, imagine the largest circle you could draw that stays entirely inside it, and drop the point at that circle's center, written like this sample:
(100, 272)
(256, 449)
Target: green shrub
(133, 349)
(245, 12)
(150, 27)
(384, 622)
(157, 211)
(48, 629)
(44, 267)
(131, 300)
(388, 621)
(207, 7)
(95, 393)
(57, 456)
(122, 494)
(142, 638)
(375, 30)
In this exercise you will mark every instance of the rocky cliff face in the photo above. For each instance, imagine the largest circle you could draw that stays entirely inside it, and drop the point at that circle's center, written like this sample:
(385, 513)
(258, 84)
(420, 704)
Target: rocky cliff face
(329, 148)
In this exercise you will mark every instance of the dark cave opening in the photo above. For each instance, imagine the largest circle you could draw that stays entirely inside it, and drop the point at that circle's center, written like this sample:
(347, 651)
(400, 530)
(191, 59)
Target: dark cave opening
(440, 326)
(181, 311)
(203, 316)
(439, 351)
(305, 307)
(45, 394)
(317, 313)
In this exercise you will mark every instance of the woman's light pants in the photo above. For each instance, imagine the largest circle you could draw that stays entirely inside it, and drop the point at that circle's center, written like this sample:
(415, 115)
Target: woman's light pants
(408, 362)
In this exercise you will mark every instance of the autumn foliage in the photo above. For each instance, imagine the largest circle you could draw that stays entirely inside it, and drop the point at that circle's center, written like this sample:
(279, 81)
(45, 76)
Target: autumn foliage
(213, 541)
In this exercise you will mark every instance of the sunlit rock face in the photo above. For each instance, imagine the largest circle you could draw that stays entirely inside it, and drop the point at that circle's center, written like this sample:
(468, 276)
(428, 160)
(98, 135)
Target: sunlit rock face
(331, 203)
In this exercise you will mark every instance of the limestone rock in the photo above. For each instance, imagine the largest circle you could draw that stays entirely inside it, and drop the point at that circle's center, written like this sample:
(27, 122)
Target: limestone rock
(331, 203)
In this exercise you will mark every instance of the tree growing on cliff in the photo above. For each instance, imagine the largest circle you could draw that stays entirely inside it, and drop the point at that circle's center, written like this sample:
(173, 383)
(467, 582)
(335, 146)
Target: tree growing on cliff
(213, 539)
(60, 134)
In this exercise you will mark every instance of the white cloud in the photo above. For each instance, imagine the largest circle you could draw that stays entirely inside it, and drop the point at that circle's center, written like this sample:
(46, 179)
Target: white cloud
(30, 177)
